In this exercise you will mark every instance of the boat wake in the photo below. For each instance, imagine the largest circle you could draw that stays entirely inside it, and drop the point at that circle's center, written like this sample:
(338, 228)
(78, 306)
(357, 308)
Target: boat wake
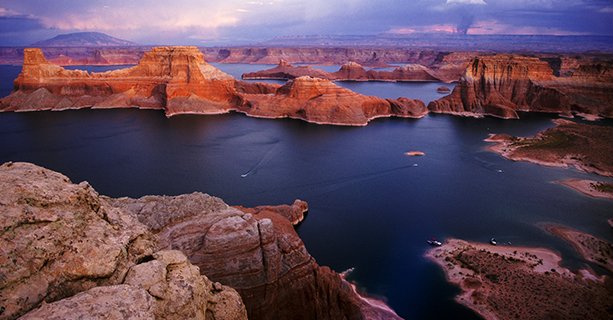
(265, 158)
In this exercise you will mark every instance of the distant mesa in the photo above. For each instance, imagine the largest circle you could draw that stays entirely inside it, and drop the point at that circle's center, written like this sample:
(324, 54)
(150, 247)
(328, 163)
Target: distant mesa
(84, 39)
(443, 90)
(353, 71)
(415, 153)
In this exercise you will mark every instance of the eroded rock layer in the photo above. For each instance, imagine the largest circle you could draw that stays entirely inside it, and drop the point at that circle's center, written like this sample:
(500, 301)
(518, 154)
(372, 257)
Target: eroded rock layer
(321, 101)
(257, 252)
(179, 81)
(353, 71)
(502, 85)
(68, 253)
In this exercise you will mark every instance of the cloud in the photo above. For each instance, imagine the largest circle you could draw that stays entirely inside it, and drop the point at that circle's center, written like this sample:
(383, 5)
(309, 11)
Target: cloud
(185, 21)
(477, 2)
(490, 27)
(606, 10)
(434, 28)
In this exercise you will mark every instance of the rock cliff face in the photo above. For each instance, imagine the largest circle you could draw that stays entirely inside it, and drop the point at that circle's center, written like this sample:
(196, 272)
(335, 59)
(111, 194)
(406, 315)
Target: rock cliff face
(166, 78)
(321, 101)
(179, 81)
(63, 245)
(350, 71)
(501, 85)
(68, 252)
(372, 57)
(257, 252)
(285, 71)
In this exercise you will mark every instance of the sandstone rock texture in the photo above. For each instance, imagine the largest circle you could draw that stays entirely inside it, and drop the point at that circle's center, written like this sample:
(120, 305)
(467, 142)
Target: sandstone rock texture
(67, 253)
(502, 85)
(257, 252)
(367, 56)
(350, 71)
(321, 101)
(285, 71)
(177, 80)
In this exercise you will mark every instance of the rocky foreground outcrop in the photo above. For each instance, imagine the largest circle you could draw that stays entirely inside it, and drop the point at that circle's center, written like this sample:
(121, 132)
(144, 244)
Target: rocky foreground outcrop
(177, 80)
(352, 71)
(257, 252)
(68, 252)
(502, 85)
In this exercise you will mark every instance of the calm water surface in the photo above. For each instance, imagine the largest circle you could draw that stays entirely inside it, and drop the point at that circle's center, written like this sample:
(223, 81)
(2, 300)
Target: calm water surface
(371, 207)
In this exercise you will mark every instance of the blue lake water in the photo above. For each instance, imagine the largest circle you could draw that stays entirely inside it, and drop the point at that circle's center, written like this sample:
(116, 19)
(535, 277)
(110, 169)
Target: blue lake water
(425, 91)
(371, 207)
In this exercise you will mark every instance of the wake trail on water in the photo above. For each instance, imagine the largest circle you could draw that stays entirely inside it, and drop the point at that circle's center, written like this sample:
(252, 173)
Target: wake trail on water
(265, 158)
(488, 165)
(331, 185)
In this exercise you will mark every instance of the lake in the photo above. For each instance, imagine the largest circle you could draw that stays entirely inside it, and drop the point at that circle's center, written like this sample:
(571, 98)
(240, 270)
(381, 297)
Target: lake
(371, 207)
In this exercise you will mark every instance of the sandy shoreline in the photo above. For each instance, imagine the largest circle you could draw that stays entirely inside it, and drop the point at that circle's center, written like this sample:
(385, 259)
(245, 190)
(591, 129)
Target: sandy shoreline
(495, 281)
(585, 187)
(568, 144)
(591, 248)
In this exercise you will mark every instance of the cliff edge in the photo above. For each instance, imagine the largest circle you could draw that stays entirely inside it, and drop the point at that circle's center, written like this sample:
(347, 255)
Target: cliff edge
(178, 80)
(68, 252)
(502, 85)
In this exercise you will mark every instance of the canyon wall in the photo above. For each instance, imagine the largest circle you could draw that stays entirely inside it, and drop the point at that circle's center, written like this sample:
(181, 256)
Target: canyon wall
(257, 252)
(353, 71)
(177, 80)
(502, 85)
(252, 55)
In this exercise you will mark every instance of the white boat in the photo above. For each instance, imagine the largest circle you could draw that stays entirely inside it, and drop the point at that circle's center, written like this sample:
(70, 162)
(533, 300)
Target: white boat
(434, 243)
(493, 241)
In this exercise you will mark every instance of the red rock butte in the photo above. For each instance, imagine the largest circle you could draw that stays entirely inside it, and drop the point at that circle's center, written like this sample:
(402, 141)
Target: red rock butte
(179, 81)
(353, 71)
(501, 85)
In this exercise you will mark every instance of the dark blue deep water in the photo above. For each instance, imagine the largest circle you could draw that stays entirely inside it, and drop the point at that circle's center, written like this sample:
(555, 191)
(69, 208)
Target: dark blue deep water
(371, 207)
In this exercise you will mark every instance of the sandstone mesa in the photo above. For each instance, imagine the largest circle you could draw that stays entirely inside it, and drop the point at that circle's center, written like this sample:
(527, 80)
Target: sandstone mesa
(502, 85)
(352, 71)
(177, 80)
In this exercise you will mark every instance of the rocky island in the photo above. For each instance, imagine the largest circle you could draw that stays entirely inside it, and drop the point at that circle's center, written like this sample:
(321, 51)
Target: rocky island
(510, 282)
(68, 251)
(177, 80)
(568, 144)
(352, 71)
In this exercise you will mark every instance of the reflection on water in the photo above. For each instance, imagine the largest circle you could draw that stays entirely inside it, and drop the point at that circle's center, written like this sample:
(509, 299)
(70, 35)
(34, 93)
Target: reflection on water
(371, 208)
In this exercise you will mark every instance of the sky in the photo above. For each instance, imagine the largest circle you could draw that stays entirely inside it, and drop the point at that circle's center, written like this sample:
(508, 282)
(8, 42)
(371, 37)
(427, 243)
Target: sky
(203, 22)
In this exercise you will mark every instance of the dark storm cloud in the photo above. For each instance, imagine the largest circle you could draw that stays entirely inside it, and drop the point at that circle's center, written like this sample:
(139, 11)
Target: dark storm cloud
(193, 21)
